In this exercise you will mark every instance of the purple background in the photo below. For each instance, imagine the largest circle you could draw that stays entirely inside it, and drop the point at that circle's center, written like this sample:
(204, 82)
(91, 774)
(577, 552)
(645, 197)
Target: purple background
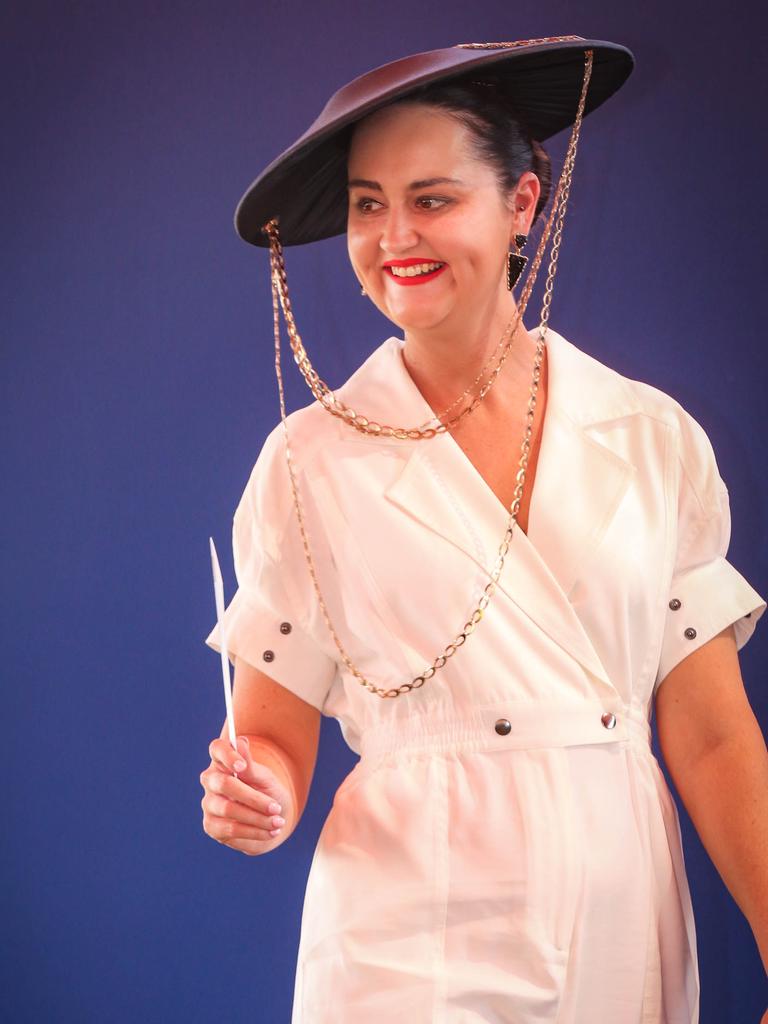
(137, 388)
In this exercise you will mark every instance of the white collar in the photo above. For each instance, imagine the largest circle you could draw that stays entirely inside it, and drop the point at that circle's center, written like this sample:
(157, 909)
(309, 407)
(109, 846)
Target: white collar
(580, 481)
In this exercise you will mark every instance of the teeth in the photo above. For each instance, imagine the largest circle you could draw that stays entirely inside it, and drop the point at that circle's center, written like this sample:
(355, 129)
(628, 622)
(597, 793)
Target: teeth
(415, 269)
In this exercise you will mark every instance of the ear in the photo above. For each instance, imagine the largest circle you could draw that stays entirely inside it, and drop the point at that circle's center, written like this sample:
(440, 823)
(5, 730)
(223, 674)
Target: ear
(525, 198)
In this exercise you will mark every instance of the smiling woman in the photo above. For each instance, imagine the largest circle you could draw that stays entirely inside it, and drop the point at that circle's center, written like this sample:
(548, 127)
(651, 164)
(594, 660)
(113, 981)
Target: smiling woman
(458, 238)
(483, 555)
(453, 245)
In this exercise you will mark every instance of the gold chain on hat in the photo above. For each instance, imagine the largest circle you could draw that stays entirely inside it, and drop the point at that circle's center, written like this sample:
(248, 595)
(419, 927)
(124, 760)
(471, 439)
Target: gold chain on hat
(521, 42)
(477, 614)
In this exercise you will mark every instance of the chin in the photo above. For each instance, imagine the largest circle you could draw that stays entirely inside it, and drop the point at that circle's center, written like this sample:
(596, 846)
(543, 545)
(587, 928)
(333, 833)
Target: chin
(414, 319)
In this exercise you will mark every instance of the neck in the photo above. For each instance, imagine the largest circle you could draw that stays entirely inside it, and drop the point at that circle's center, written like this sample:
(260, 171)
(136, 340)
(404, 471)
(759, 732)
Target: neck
(443, 362)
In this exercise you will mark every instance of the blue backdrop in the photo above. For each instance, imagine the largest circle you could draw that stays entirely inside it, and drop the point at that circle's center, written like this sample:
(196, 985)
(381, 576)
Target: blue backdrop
(137, 388)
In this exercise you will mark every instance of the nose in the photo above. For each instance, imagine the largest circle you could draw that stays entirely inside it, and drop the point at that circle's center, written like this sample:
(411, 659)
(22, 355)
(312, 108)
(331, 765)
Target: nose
(399, 233)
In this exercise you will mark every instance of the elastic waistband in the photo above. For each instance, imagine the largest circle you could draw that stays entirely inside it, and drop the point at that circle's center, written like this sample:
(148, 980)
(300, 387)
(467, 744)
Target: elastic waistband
(508, 725)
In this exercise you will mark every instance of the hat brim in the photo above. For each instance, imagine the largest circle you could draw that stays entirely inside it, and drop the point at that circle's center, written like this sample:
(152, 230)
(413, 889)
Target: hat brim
(305, 187)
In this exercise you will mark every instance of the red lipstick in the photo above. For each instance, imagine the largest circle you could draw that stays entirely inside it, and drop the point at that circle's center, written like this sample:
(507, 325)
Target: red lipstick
(415, 279)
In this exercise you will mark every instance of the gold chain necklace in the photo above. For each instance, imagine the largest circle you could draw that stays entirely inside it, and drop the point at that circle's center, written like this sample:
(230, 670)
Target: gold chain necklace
(332, 404)
(279, 285)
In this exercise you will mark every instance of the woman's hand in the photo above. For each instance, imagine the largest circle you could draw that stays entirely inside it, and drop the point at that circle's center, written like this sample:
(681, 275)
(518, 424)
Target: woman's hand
(243, 812)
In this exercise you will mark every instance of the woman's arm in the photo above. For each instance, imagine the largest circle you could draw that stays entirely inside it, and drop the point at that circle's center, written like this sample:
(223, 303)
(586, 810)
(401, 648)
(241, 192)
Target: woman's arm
(283, 732)
(717, 758)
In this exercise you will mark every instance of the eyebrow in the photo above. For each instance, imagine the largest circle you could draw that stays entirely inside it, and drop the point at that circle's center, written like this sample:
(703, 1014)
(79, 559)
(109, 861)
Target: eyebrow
(424, 183)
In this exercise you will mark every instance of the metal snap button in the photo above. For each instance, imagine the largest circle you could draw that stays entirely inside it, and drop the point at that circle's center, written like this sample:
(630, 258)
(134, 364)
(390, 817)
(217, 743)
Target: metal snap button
(285, 628)
(674, 604)
(503, 726)
(268, 655)
(690, 633)
(608, 720)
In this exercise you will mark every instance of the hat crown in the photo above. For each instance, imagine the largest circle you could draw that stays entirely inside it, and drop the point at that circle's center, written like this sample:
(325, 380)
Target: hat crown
(419, 68)
(376, 84)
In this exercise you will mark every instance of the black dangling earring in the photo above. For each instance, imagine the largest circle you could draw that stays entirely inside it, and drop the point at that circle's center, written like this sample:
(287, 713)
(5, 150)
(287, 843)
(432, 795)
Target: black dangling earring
(516, 262)
(362, 290)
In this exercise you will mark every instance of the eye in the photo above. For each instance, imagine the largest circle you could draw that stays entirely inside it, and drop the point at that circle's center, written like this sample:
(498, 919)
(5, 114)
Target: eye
(432, 199)
(362, 204)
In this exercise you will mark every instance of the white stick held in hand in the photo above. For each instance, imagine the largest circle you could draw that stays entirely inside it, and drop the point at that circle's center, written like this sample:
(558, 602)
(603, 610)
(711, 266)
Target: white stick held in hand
(218, 589)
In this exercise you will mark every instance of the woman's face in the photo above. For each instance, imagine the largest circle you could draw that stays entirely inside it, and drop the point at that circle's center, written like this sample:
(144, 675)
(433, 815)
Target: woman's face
(417, 198)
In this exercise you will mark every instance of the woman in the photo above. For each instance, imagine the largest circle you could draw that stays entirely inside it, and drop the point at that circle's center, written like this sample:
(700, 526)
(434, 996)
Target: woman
(506, 849)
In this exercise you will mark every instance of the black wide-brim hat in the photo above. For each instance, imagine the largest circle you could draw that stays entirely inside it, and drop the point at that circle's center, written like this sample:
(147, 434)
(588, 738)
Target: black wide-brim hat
(306, 186)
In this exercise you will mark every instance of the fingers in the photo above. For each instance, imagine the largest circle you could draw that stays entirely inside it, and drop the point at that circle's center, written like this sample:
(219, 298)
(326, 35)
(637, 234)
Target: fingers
(225, 758)
(229, 797)
(225, 819)
(225, 826)
(240, 837)
(238, 813)
(230, 762)
(234, 810)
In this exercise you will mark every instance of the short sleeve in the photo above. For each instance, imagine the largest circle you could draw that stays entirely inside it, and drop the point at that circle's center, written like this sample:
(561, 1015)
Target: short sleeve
(707, 593)
(272, 619)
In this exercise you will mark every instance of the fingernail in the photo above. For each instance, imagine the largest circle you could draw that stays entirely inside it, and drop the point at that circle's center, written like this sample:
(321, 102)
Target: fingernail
(239, 765)
(275, 808)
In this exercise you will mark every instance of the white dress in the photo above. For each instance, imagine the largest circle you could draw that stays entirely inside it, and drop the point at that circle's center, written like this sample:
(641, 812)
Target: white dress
(506, 849)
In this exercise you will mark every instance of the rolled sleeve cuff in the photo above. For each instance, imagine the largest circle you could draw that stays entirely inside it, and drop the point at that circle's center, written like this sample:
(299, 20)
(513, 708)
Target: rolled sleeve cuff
(277, 646)
(711, 597)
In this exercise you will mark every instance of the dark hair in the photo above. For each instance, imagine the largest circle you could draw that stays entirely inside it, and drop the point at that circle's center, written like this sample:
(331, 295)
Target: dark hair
(499, 135)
